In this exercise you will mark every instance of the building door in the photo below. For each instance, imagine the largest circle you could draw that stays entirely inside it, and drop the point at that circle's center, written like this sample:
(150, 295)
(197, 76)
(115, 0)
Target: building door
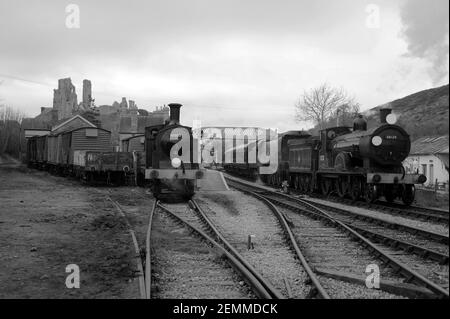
(432, 174)
(424, 170)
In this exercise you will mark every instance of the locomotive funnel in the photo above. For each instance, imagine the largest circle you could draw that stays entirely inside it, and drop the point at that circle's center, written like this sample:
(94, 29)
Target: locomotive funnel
(384, 112)
(174, 113)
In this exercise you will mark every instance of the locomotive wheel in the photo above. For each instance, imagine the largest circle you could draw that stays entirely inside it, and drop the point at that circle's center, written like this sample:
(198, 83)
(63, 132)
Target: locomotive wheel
(294, 182)
(408, 194)
(309, 186)
(326, 186)
(303, 187)
(388, 193)
(342, 187)
(355, 189)
(371, 193)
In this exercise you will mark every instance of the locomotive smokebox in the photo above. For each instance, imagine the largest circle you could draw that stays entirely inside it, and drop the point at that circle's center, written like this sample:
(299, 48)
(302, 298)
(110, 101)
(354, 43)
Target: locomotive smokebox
(175, 113)
(384, 112)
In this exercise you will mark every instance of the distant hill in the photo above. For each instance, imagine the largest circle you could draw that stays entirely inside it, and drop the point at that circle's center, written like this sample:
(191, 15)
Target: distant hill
(424, 113)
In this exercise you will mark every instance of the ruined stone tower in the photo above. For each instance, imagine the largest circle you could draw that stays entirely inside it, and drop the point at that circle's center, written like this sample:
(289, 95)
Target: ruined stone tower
(87, 94)
(64, 98)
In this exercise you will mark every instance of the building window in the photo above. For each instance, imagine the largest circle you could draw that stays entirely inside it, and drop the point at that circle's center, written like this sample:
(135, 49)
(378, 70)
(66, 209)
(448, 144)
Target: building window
(91, 132)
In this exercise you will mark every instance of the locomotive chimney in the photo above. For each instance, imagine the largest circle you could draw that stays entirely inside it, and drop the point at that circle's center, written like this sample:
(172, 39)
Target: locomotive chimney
(384, 112)
(174, 113)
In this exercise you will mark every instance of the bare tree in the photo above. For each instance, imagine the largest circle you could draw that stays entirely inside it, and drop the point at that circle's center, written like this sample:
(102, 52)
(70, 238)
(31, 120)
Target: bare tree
(10, 120)
(320, 103)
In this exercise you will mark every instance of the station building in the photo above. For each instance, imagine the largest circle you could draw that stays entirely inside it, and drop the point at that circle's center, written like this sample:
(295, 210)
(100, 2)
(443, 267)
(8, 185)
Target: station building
(429, 156)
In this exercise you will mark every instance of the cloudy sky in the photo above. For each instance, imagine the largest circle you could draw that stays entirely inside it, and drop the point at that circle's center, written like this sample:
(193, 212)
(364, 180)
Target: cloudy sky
(230, 62)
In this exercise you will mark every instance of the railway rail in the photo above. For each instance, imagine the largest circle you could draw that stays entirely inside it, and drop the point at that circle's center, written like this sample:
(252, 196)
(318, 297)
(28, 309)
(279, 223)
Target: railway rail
(415, 212)
(410, 275)
(431, 239)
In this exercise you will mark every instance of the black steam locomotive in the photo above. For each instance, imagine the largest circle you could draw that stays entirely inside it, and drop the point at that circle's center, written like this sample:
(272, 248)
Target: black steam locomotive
(170, 151)
(357, 163)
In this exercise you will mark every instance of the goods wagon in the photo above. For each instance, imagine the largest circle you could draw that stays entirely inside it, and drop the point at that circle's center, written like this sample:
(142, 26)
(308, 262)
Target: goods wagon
(111, 167)
(81, 139)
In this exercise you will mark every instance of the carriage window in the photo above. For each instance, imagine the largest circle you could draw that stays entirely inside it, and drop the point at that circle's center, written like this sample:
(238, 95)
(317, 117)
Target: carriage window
(91, 132)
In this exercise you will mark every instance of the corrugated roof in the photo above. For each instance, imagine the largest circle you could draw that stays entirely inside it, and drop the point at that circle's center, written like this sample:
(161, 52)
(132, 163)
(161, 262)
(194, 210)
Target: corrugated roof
(430, 145)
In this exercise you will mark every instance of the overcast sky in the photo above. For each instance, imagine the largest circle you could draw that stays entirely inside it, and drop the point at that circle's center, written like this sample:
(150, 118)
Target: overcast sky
(230, 62)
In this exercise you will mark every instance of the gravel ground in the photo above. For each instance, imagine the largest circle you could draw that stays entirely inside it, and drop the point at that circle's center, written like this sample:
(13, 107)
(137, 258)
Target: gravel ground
(237, 216)
(49, 222)
(428, 226)
(344, 290)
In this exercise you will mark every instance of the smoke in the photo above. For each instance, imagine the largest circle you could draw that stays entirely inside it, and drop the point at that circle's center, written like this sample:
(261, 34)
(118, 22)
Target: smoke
(426, 30)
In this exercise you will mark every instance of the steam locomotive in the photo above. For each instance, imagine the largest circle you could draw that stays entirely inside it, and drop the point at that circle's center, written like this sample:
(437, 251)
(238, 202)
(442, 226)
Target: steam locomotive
(88, 154)
(350, 162)
(170, 157)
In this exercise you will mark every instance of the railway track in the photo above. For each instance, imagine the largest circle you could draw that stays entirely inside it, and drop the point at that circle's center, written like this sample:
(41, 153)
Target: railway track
(399, 264)
(293, 279)
(378, 233)
(180, 220)
(198, 273)
(438, 216)
(433, 241)
(197, 259)
(395, 209)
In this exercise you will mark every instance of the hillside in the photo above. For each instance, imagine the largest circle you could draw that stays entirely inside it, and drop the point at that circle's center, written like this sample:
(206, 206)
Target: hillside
(421, 114)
